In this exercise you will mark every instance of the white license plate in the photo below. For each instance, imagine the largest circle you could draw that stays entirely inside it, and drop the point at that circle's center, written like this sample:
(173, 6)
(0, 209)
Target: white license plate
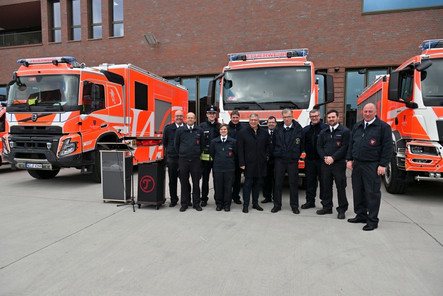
(34, 166)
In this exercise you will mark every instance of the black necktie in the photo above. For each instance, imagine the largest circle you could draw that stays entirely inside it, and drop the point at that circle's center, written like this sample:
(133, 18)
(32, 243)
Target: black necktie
(223, 140)
(366, 125)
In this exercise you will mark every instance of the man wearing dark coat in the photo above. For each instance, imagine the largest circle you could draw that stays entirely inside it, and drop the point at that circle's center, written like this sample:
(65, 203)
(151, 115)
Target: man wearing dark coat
(252, 147)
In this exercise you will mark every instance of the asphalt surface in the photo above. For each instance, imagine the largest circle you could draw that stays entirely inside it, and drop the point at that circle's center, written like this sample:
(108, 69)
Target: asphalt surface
(58, 237)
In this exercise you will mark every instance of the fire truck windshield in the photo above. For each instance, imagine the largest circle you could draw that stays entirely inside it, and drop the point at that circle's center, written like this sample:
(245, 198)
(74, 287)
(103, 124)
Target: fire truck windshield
(44, 93)
(267, 88)
(432, 86)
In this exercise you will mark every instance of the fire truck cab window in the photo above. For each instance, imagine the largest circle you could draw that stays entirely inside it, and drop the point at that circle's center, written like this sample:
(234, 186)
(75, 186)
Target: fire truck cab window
(2, 123)
(407, 83)
(93, 97)
(432, 86)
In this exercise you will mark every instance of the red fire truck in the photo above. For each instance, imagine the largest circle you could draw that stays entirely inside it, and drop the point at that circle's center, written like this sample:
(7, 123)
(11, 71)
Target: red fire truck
(266, 82)
(58, 111)
(411, 101)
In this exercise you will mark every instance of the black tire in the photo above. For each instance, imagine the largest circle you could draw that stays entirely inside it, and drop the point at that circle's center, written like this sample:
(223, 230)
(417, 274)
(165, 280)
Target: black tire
(394, 179)
(96, 170)
(43, 174)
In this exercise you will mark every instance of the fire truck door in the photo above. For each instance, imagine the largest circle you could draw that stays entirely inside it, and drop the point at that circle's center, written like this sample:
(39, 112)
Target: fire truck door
(94, 119)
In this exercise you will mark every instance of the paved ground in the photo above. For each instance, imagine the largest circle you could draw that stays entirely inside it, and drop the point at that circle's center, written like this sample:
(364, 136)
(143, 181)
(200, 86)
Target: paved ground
(59, 238)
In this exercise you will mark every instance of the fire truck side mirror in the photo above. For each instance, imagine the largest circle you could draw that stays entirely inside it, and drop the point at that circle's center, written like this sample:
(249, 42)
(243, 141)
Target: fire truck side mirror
(329, 88)
(423, 65)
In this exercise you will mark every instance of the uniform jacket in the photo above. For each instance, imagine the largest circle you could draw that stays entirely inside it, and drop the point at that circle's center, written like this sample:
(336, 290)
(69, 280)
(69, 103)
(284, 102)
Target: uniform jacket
(310, 136)
(334, 144)
(210, 131)
(223, 154)
(374, 144)
(189, 144)
(293, 150)
(168, 141)
(271, 146)
(252, 151)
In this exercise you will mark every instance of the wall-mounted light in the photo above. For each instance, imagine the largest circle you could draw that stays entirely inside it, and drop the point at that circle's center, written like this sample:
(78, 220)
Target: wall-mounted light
(150, 38)
(336, 69)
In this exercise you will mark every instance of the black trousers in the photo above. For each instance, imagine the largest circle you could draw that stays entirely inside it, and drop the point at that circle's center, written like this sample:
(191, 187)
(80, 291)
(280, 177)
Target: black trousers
(223, 188)
(268, 182)
(172, 164)
(366, 188)
(282, 166)
(329, 173)
(313, 177)
(237, 183)
(206, 167)
(189, 167)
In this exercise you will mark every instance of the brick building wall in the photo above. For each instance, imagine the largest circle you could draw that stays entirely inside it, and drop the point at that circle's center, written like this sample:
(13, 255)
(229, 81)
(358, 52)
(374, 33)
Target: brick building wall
(196, 36)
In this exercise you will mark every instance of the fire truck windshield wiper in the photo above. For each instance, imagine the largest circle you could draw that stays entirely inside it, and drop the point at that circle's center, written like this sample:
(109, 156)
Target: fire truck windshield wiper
(287, 104)
(245, 105)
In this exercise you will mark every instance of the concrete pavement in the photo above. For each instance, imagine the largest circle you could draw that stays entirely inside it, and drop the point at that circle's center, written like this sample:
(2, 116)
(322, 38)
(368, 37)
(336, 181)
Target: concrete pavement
(59, 238)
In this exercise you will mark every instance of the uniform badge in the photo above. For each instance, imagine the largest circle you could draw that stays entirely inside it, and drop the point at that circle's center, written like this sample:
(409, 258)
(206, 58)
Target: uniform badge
(372, 142)
(297, 141)
(338, 143)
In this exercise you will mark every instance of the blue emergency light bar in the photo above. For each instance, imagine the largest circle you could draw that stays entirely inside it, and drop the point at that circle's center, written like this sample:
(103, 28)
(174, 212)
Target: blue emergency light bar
(260, 55)
(430, 44)
(48, 60)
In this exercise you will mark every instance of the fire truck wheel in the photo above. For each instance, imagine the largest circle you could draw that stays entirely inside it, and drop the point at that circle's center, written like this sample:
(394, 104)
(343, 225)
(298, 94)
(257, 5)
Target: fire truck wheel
(96, 172)
(43, 174)
(394, 178)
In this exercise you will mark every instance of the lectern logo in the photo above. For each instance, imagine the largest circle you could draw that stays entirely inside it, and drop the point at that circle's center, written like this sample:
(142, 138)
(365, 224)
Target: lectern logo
(147, 183)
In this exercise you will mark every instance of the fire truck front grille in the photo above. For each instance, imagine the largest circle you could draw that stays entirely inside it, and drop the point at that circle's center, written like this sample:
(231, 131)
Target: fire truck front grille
(32, 147)
(48, 130)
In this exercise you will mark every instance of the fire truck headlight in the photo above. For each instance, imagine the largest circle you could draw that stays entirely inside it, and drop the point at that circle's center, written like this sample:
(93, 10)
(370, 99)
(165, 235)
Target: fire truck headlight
(428, 150)
(5, 148)
(68, 147)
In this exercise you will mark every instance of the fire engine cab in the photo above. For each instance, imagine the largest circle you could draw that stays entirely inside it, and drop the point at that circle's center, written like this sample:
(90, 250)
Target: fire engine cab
(410, 100)
(58, 111)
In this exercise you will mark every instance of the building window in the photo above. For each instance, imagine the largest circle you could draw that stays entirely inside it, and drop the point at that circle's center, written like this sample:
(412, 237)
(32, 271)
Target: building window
(377, 6)
(75, 32)
(117, 28)
(2, 93)
(356, 81)
(95, 16)
(197, 88)
(55, 21)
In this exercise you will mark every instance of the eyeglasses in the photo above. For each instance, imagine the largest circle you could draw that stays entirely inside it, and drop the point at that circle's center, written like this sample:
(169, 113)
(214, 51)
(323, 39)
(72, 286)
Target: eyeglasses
(314, 116)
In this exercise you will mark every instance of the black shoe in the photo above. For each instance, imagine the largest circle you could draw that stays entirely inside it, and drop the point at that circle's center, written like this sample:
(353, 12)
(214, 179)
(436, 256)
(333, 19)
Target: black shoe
(183, 208)
(257, 207)
(219, 208)
(357, 220)
(324, 211)
(308, 205)
(198, 208)
(172, 204)
(296, 211)
(275, 209)
(266, 200)
(204, 203)
(369, 227)
(237, 201)
(341, 216)
(245, 209)
(227, 209)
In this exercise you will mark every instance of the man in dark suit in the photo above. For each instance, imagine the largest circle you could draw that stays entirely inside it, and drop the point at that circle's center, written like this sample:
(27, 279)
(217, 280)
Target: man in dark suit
(234, 127)
(252, 147)
(268, 181)
(287, 150)
(172, 155)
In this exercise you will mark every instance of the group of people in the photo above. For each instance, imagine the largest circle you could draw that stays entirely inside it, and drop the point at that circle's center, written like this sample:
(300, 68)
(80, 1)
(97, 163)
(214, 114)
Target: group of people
(266, 155)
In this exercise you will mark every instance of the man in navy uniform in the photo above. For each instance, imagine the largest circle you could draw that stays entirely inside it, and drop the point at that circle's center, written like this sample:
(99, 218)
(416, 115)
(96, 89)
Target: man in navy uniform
(172, 155)
(189, 145)
(332, 146)
(370, 151)
(268, 181)
(210, 131)
(287, 150)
